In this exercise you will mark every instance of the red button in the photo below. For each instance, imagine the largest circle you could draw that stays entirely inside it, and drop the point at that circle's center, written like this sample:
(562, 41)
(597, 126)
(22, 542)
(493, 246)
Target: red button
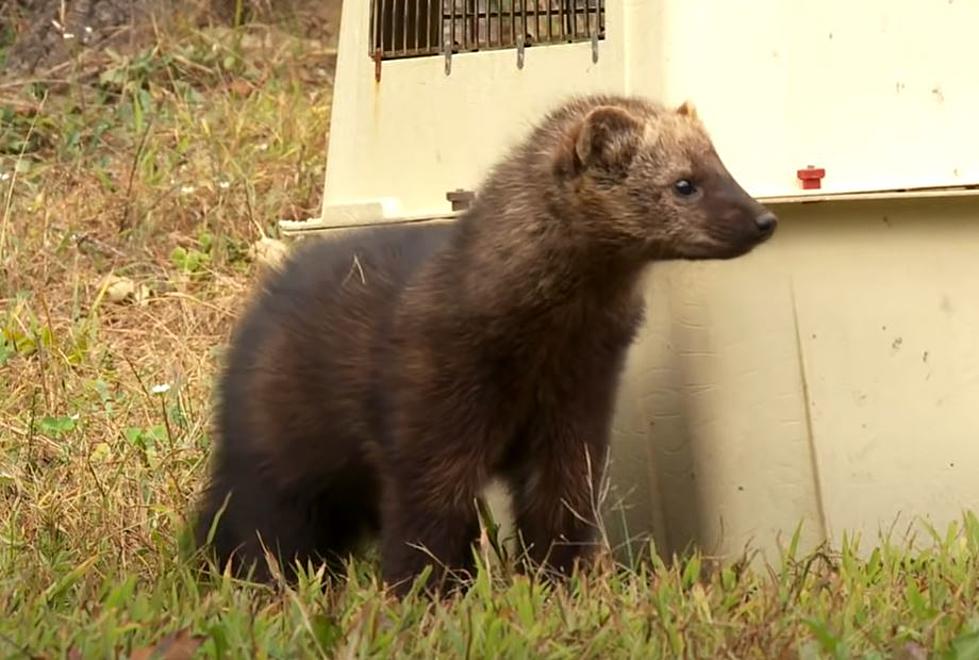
(811, 177)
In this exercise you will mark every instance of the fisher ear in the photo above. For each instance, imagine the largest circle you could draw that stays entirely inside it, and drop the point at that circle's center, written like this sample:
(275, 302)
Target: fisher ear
(608, 138)
(687, 109)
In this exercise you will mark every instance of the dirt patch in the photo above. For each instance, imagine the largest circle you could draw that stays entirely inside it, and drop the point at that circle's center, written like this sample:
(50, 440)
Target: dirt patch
(48, 32)
(43, 34)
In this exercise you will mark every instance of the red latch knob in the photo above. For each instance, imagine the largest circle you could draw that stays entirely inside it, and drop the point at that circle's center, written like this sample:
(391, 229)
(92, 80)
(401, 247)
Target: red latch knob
(811, 177)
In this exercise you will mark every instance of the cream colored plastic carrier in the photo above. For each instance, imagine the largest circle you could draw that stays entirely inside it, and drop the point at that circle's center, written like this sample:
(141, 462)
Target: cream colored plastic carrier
(831, 378)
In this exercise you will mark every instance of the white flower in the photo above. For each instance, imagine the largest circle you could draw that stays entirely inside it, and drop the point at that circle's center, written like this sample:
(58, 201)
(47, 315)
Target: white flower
(186, 190)
(224, 185)
(161, 389)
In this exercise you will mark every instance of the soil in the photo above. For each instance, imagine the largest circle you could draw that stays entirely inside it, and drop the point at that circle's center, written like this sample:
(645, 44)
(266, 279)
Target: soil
(46, 33)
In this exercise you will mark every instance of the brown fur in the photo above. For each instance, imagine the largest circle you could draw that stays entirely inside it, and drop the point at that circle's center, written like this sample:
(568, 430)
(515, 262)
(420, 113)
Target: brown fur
(384, 378)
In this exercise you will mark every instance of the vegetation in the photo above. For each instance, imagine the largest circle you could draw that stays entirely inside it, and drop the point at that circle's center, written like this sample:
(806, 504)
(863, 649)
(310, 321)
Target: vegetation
(134, 190)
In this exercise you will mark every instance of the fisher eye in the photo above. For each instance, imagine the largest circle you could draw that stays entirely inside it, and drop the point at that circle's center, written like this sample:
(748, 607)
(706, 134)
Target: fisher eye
(684, 187)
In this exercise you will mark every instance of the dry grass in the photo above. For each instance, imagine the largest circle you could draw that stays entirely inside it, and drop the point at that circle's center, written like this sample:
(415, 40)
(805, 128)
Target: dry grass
(161, 169)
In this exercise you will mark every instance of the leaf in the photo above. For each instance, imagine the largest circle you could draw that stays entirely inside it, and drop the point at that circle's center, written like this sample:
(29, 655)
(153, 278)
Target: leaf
(121, 593)
(45, 336)
(21, 342)
(178, 256)
(188, 260)
(691, 572)
(118, 289)
(68, 579)
(56, 426)
(830, 643)
(916, 600)
(206, 240)
(176, 646)
(145, 438)
(101, 452)
(219, 639)
(327, 631)
(134, 435)
(964, 647)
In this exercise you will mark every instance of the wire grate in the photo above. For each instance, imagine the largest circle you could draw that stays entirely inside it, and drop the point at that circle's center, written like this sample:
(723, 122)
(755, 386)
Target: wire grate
(418, 28)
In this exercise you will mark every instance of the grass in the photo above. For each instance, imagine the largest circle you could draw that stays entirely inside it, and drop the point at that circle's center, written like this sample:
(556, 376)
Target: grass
(132, 188)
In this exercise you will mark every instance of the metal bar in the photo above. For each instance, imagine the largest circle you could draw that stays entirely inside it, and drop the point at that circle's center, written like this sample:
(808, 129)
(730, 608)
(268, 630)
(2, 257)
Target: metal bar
(489, 21)
(561, 7)
(504, 15)
(452, 28)
(550, 23)
(447, 45)
(499, 23)
(383, 46)
(531, 18)
(404, 24)
(513, 23)
(523, 35)
(395, 25)
(418, 25)
(537, 17)
(588, 18)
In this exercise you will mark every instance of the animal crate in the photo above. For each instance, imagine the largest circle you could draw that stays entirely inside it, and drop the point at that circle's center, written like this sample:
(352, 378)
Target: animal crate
(830, 378)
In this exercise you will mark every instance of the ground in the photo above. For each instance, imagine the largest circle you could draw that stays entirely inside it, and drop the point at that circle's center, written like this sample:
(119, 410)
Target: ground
(137, 178)
(47, 34)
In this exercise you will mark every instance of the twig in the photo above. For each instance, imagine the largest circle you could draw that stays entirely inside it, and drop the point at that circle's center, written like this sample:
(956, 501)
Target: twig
(139, 379)
(124, 220)
(33, 81)
(101, 246)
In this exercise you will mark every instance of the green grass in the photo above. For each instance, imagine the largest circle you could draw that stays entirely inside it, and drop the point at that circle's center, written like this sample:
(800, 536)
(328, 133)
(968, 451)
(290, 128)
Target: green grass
(161, 169)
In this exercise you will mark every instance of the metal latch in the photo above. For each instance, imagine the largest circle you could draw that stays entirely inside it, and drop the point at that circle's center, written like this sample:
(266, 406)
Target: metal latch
(460, 199)
(377, 57)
